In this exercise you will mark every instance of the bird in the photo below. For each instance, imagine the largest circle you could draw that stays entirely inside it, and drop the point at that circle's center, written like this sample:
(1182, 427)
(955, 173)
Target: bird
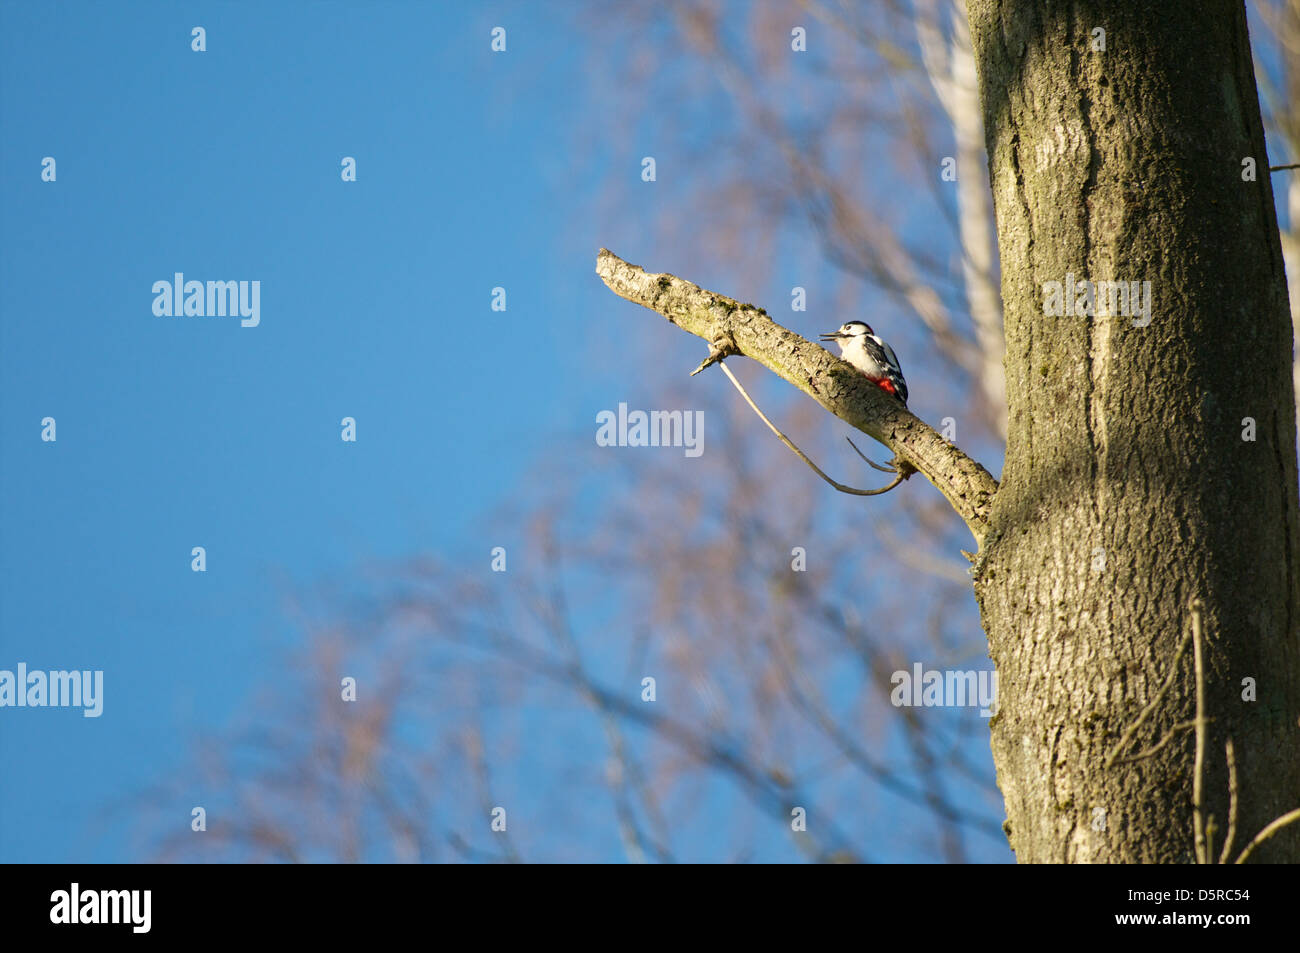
(868, 352)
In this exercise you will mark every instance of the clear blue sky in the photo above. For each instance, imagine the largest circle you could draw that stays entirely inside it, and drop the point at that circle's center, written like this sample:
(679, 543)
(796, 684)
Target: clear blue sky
(181, 432)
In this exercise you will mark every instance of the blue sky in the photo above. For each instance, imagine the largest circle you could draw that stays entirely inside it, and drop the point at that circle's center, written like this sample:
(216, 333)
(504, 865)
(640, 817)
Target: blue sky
(177, 432)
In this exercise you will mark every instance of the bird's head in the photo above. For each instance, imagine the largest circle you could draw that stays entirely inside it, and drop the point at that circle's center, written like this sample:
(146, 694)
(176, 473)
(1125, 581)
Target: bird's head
(847, 332)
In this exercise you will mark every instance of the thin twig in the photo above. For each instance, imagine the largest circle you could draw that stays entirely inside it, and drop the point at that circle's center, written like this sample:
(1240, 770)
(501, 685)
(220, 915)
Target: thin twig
(1279, 168)
(869, 461)
(1232, 804)
(1169, 680)
(1268, 832)
(1156, 748)
(1198, 803)
(802, 456)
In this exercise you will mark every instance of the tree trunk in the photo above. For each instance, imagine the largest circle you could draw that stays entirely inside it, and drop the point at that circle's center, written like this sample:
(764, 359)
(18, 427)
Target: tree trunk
(1146, 465)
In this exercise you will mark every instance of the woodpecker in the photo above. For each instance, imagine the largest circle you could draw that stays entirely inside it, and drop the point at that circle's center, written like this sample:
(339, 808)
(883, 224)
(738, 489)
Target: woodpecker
(868, 352)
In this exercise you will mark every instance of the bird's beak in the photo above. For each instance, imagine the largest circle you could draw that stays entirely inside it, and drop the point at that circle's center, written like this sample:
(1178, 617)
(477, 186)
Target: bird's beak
(831, 336)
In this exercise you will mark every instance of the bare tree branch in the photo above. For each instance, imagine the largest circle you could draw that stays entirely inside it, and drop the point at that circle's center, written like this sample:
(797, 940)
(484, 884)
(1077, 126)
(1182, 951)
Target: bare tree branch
(730, 326)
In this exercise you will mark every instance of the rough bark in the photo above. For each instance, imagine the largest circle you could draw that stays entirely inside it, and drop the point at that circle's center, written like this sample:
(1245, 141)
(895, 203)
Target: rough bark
(1128, 489)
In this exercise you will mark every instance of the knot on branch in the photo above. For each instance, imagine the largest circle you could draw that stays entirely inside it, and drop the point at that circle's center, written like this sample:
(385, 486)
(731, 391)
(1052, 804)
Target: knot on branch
(720, 349)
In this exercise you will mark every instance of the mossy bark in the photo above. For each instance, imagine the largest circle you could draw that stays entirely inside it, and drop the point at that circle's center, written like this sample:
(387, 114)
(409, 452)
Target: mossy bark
(1130, 486)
